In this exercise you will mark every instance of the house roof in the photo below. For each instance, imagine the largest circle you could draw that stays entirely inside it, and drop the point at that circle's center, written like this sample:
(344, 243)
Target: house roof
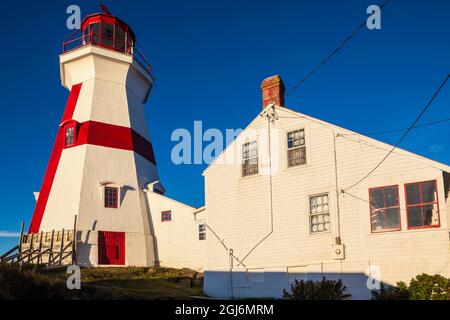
(339, 131)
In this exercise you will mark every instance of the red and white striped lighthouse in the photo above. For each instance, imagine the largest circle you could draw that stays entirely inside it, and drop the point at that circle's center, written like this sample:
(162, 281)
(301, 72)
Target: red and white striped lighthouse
(102, 158)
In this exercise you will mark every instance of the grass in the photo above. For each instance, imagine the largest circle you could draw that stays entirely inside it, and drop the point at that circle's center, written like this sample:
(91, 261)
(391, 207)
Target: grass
(99, 283)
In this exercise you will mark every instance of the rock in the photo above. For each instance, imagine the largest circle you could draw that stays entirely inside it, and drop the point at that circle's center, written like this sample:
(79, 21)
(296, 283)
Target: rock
(151, 270)
(197, 283)
(199, 276)
(188, 273)
(187, 282)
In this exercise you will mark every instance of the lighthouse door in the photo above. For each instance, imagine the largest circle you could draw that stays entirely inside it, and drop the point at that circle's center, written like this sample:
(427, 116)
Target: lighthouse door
(111, 247)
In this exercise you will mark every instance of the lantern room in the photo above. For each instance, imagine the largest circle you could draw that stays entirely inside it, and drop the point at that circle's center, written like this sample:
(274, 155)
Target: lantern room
(103, 30)
(106, 31)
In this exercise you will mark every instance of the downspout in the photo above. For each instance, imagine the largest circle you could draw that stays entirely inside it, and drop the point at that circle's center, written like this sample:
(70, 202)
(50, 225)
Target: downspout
(338, 209)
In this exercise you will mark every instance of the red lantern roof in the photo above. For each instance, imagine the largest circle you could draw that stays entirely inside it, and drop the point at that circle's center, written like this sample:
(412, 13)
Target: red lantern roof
(106, 19)
(106, 31)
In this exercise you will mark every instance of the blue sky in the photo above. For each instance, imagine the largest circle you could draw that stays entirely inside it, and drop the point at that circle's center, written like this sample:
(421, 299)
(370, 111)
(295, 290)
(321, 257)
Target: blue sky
(209, 58)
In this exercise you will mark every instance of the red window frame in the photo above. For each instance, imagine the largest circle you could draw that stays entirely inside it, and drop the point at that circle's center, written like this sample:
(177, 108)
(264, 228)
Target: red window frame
(421, 204)
(165, 219)
(111, 197)
(391, 207)
(70, 125)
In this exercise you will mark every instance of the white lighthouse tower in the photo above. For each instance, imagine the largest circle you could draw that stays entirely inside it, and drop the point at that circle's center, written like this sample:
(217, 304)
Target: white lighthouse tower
(102, 158)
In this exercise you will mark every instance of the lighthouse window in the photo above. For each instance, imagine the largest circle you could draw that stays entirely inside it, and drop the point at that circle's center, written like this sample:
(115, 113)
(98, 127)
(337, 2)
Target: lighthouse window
(111, 197)
(70, 136)
(120, 39)
(94, 30)
(107, 34)
(201, 232)
(166, 216)
(86, 35)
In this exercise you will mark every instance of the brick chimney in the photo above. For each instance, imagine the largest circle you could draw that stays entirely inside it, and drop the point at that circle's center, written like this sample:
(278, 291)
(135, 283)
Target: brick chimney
(272, 91)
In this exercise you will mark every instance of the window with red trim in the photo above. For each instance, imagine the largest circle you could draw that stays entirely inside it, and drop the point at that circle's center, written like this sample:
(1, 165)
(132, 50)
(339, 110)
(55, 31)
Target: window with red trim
(384, 209)
(111, 197)
(166, 216)
(422, 204)
(69, 139)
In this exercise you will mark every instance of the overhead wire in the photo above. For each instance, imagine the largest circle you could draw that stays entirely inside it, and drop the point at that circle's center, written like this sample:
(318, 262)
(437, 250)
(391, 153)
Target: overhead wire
(427, 106)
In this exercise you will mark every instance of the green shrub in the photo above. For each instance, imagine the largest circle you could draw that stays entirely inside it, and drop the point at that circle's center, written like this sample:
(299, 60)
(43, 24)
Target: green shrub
(429, 287)
(388, 292)
(422, 287)
(316, 290)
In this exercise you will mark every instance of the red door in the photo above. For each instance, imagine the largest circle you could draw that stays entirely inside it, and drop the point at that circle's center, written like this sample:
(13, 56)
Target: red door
(111, 247)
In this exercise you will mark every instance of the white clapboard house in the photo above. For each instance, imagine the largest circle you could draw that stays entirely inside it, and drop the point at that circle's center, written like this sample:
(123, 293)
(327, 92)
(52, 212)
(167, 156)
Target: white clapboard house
(290, 206)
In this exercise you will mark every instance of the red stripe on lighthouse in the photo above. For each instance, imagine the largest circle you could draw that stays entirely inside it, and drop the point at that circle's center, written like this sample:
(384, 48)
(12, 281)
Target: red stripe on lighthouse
(53, 162)
(115, 137)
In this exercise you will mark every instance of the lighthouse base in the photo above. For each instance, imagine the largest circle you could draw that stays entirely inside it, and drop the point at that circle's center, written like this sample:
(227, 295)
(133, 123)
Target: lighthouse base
(113, 248)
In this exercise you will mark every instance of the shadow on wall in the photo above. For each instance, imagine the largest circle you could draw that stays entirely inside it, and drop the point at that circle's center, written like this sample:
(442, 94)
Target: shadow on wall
(242, 284)
(124, 191)
(84, 249)
(86, 241)
(152, 231)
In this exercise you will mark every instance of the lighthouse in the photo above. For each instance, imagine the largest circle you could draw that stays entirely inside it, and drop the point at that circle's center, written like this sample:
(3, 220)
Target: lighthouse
(102, 161)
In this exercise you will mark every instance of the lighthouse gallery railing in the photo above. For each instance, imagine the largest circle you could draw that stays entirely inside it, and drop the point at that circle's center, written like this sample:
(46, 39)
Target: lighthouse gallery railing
(112, 43)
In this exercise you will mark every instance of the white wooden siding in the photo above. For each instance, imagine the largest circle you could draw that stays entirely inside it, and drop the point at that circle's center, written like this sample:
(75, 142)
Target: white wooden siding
(239, 208)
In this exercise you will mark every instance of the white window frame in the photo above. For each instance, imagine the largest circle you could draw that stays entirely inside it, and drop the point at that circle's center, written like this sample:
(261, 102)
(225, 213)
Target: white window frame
(305, 146)
(317, 214)
(249, 142)
(201, 232)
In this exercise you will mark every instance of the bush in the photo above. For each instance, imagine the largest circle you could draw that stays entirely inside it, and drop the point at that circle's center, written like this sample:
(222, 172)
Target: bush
(388, 292)
(316, 290)
(422, 287)
(429, 287)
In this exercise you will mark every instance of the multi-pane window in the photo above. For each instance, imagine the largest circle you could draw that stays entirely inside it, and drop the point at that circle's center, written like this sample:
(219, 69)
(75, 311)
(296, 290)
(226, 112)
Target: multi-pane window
(95, 32)
(69, 136)
(111, 197)
(319, 213)
(201, 232)
(421, 204)
(296, 148)
(249, 158)
(107, 34)
(166, 215)
(384, 209)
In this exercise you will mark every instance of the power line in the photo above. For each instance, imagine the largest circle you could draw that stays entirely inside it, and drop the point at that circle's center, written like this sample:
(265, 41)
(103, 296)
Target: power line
(404, 135)
(367, 143)
(432, 123)
(428, 124)
(332, 53)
